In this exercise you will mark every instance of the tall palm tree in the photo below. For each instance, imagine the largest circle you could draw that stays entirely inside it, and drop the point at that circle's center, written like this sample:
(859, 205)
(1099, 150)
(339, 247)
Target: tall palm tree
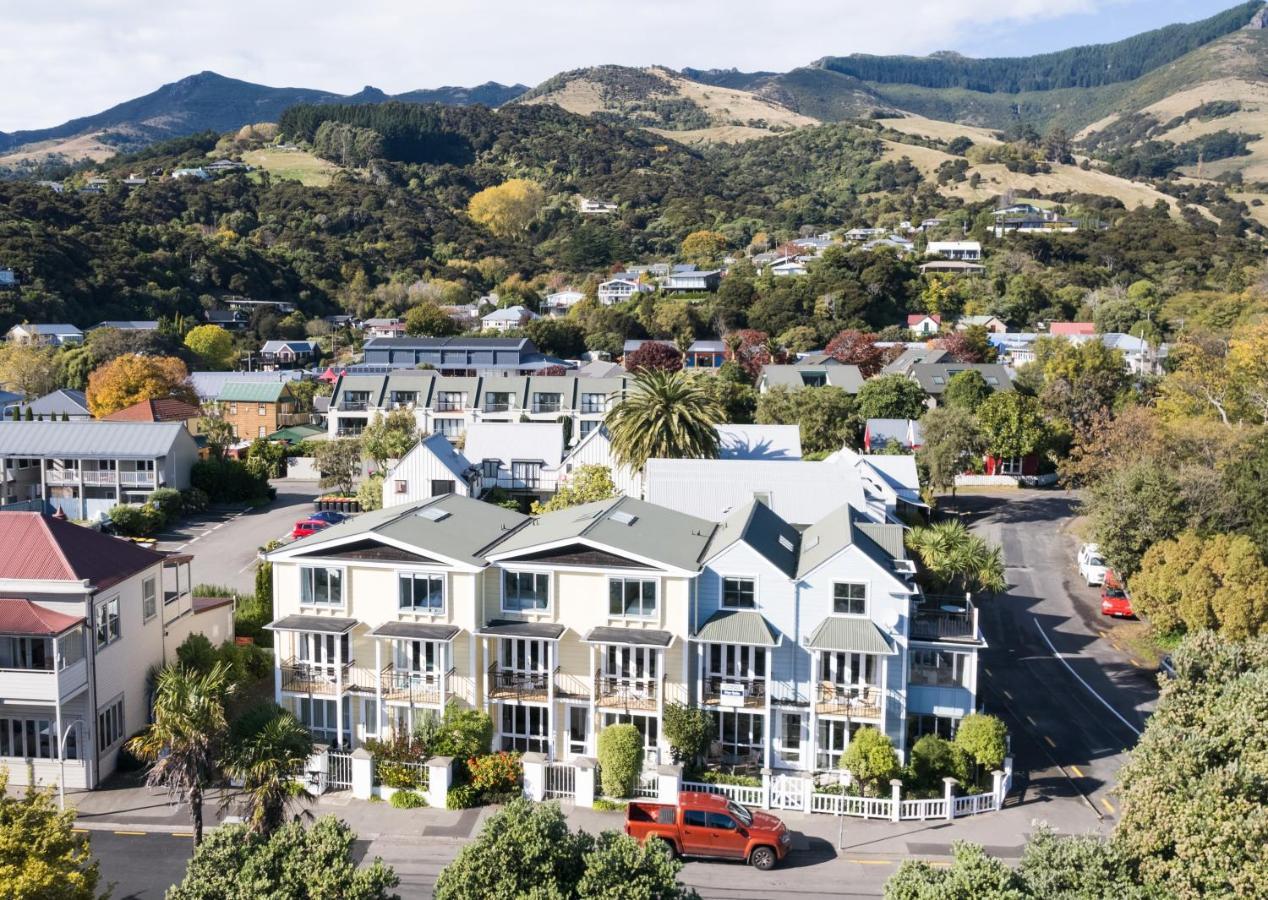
(266, 747)
(666, 415)
(955, 558)
(183, 745)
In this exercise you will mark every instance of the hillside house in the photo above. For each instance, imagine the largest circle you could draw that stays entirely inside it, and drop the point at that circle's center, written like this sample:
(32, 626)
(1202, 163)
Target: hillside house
(620, 288)
(64, 402)
(558, 303)
(469, 356)
(228, 319)
(960, 251)
(992, 324)
(588, 207)
(805, 374)
(256, 409)
(923, 324)
(45, 334)
(508, 319)
(383, 328)
(287, 354)
(137, 326)
(693, 281)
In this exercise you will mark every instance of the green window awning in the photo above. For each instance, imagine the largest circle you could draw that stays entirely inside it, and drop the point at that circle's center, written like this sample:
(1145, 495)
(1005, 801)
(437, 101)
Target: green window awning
(738, 626)
(850, 634)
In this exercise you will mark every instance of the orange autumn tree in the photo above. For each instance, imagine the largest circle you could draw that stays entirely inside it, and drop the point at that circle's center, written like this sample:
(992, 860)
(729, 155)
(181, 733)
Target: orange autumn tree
(131, 378)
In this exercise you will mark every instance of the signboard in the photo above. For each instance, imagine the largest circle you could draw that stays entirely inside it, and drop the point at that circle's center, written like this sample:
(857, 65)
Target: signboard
(731, 694)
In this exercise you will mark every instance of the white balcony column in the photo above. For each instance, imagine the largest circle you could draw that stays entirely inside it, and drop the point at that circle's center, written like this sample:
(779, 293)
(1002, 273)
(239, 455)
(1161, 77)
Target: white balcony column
(378, 688)
(277, 668)
(814, 711)
(699, 674)
(769, 730)
(882, 663)
(482, 674)
(660, 706)
(592, 740)
(551, 654)
(339, 690)
(445, 652)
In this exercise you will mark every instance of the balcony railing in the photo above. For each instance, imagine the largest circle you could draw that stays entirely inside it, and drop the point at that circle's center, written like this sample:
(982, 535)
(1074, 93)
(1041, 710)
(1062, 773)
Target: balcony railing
(497, 407)
(511, 684)
(319, 678)
(944, 619)
(415, 687)
(61, 476)
(449, 406)
(730, 690)
(546, 407)
(100, 476)
(854, 701)
(624, 691)
(142, 479)
(353, 405)
(43, 685)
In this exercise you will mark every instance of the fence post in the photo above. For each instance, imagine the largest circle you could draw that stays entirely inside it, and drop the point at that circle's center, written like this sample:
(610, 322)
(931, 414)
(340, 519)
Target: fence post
(766, 788)
(948, 794)
(439, 778)
(998, 778)
(895, 799)
(586, 768)
(534, 775)
(808, 794)
(318, 767)
(362, 774)
(668, 784)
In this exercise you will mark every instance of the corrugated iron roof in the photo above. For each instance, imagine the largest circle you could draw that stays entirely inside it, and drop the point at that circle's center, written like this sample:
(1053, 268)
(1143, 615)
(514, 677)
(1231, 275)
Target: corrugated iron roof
(25, 617)
(738, 626)
(166, 409)
(253, 391)
(41, 548)
(853, 634)
(74, 440)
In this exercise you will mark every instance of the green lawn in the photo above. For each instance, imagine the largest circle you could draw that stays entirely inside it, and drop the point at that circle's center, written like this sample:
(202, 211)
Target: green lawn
(296, 165)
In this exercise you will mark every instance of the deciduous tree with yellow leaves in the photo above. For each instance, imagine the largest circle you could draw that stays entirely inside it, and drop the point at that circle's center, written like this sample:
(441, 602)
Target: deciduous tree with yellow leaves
(509, 208)
(704, 248)
(131, 378)
(40, 855)
(213, 345)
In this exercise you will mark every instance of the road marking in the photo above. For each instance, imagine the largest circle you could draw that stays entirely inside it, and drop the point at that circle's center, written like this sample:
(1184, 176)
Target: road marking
(80, 830)
(1031, 721)
(1134, 663)
(183, 834)
(1050, 742)
(874, 862)
(1134, 730)
(132, 833)
(1077, 771)
(1107, 805)
(1008, 695)
(988, 672)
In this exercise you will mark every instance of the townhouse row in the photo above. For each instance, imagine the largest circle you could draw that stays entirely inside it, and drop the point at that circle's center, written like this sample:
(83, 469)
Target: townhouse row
(446, 404)
(563, 624)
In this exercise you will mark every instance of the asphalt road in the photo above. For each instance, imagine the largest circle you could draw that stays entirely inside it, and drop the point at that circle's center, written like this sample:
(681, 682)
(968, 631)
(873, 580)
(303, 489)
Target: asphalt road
(1073, 700)
(225, 543)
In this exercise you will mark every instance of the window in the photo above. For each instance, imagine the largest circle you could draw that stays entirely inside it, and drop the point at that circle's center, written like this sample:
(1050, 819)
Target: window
(939, 667)
(578, 729)
(695, 818)
(849, 598)
(525, 473)
(1010, 465)
(107, 622)
(70, 648)
(321, 586)
(741, 734)
(110, 724)
(233, 409)
(918, 725)
(450, 401)
(647, 726)
(594, 403)
(450, 428)
(736, 662)
(418, 657)
(631, 597)
(814, 379)
(422, 593)
(261, 409)
(34, 739)
(441, 486)
(739, 593)
(318, 716)
(404, 398)
(497, 401)
(525, 591)
(263, 431)
(546, 403)
(625, 663)
(721, 821)
(524, 728)
(30, 653)
(149, 599)
(489, 468)
(588, 425)
(834, 737)
(843, 668)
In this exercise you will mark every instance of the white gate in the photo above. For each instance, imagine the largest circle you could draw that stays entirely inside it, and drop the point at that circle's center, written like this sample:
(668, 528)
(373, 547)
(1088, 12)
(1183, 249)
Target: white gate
(561, 781)
(338, 770)
(788, 792)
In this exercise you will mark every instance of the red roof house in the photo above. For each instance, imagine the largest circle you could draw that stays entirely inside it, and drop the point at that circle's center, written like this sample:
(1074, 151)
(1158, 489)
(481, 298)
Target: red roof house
(41, 548)
(1071, 329)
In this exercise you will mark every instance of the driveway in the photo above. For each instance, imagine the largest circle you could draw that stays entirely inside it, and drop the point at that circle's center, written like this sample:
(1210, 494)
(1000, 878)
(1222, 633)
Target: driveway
(1073, 696)
(225, 542)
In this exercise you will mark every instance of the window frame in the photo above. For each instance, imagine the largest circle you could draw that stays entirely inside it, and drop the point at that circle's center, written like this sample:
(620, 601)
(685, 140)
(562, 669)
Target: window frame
(412, 577)
(836, 601)
(521, 573)
(307, 593)
(643, 613)
(111, 721)
(722, 592)
(111, 620)
(149, 606)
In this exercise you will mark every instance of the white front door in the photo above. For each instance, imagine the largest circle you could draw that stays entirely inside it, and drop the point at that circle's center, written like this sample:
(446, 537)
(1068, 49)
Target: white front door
(791, 738)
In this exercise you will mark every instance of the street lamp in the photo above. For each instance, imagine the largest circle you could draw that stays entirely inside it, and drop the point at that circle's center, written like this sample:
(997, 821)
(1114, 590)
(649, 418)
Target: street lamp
(61, 764)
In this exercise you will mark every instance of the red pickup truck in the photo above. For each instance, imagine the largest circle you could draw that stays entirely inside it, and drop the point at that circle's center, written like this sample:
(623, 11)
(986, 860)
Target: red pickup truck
(711, 826)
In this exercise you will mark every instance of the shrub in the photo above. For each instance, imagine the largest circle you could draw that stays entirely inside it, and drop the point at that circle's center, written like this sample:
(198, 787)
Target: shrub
(407, 800)
(214, 590)
(227, 481)
(497, 775)
(726, 778)
(135, 521)
(194, 500)
(197, 653)
(870, 758)
(933, 759)
(983, 739)
(603, 804)
(688, 731)
(463, 733)
(462, 796)
(397, 775)
(620, 759)
(168, 502)
(370, 493)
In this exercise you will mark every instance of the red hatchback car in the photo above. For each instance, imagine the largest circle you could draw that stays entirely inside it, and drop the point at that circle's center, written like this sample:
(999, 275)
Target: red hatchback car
(305, 527)
(1114, 599)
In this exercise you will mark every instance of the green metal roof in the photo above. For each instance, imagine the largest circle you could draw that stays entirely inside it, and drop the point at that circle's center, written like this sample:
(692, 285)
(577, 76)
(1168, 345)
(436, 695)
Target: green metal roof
(738, 626)
(253, 391)
(850, 633)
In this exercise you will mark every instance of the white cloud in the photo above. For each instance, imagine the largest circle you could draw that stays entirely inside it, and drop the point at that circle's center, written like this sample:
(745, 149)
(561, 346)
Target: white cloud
(77, 57)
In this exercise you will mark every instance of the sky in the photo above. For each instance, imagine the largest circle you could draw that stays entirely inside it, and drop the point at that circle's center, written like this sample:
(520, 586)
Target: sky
(59, 60)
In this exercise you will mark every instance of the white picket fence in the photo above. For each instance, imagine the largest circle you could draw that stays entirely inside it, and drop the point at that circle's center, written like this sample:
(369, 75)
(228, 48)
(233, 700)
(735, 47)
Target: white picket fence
(561, 781)
(745, 796)
(648, 786)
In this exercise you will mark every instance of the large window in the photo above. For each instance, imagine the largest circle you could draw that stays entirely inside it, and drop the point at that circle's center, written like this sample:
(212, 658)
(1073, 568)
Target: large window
(110, 724)
(321, 586)
(489, 468)
(545, 403)
(525, 591)
(34, 739)
(318, 716)
(648, 728)
(107, 622)
(594, 403)
(849, 598)
(497, 401)
(739, 593)
(834, 737)
(939, 667)
(737, 661)
(631, 597)
(524, 728)
(450, 401)
(420, 657)
(741, 734)
(422, 593)
(26, 653)
(588, 425)
(149, 599)
(526, 474)
(844, 669)
(450, 428)
(919, 725)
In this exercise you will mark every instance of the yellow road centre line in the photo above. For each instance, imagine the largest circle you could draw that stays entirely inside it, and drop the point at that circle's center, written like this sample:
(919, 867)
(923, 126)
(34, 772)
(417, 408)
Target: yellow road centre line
(874, 862)
(1107, 805)
(1134, 663)
(132, 833)
(80, 830)
(1077, 771)
(183, 834)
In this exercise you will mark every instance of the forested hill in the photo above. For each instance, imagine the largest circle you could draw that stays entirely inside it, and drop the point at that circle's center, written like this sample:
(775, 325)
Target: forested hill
(1077, 67)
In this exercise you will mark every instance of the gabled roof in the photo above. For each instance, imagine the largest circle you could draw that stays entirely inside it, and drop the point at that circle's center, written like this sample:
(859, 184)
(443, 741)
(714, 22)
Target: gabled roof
(293, 346)
(80, 440)
(129, 324)
(167, 409)
(52, 328)
(1069, 328)
(913, 355)
(26, 618)
(506, 441)
(624, 525)
(757, 526)
(835, 532)
(208, 384)
(917, 318)
(63, 400)
(934, 377)
(445, 453)
(40, 548)
(846, 377)
(905, 431)
(253, 391)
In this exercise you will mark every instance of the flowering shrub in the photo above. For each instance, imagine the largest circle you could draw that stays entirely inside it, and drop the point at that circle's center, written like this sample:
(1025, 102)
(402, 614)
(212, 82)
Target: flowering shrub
(496, 774)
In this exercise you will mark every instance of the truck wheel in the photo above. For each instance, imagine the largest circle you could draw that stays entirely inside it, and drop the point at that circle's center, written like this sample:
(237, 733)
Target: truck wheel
(668, 848)
(763, 858)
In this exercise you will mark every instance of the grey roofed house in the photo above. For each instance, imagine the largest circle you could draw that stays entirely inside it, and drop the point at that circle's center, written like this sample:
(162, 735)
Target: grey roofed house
(451, 526)
(127, 325)
(756, 524)
(633, 344)
(623, 526)
(912, 356)
(63, 400)
(458, 354)
(796, 375)
(798, 491)
(846, 527)
(208, 385)
(933, 377)
(600, 368)
(759, 441)
(91, 440)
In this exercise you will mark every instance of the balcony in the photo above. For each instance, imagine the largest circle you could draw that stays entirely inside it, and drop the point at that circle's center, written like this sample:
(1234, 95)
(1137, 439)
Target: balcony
(61, 476)
(323, 679)
(43, 685)
(730, 691)
(945, 619)
(136, 478)
(625, 692)
(510, 684)
(413, 687)
(353, 405)
(546, 408)
(495, 407)
(849, 700)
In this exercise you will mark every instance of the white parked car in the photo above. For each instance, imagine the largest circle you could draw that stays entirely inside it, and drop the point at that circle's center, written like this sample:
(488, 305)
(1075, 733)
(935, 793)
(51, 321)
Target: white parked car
(1092, 565)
